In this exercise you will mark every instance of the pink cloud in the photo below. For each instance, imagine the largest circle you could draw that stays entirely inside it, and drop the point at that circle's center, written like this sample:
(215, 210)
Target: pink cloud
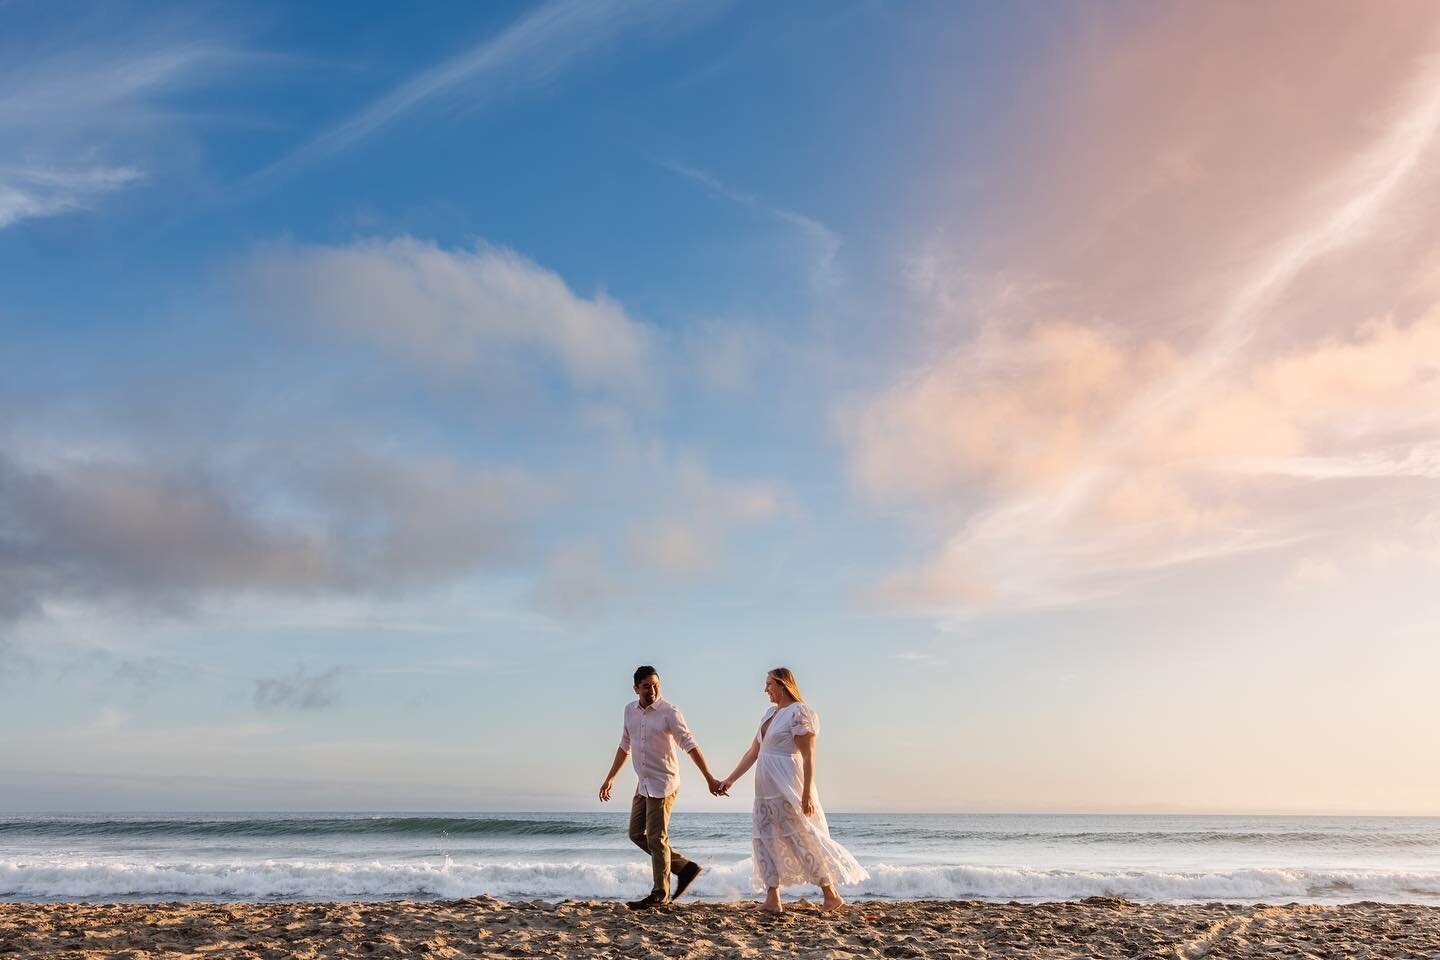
(1212, 258)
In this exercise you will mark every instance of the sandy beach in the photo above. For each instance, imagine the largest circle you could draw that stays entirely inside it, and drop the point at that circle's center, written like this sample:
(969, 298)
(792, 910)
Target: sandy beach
(1098, 927)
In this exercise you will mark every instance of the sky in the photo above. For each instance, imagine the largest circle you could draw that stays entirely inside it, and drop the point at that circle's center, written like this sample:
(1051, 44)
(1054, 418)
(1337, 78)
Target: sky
(1054, 388)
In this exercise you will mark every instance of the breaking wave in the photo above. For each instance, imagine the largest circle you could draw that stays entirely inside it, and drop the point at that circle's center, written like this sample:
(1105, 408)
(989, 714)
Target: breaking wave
(319, 880)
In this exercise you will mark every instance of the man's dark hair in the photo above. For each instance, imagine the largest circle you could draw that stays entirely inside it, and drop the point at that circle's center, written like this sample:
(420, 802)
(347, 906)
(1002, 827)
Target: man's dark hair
(646, 671)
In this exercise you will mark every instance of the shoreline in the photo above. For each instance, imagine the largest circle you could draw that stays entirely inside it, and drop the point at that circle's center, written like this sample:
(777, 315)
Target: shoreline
(1098, 926)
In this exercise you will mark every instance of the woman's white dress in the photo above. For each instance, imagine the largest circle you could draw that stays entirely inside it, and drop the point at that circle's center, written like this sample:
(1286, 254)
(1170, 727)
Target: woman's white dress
(790, 847)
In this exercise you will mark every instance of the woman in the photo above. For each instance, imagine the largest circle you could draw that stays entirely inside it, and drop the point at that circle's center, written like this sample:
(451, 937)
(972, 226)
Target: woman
(791, 838)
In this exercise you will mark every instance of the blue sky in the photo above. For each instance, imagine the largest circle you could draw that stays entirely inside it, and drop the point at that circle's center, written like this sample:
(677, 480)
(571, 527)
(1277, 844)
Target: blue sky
(382, 385)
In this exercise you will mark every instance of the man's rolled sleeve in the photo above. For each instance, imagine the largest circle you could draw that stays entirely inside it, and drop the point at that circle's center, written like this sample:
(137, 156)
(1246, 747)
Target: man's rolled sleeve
(624, 736)
(681, 732)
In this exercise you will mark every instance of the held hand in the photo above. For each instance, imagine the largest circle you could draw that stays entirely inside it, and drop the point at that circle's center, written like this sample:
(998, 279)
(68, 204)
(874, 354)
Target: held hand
(807, 805)
(714, 786)
(605, 790)
(725, 786)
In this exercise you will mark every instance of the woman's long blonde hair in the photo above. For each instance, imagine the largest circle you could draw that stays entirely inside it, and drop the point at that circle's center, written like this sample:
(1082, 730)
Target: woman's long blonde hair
(786, 679)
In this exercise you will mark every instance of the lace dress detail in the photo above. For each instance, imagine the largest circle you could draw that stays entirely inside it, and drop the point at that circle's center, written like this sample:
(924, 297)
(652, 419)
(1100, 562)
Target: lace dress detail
(790, 847)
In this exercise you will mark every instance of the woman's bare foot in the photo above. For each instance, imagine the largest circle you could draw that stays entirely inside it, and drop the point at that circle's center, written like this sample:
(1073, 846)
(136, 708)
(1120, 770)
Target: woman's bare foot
(772, 901)
(833, 900)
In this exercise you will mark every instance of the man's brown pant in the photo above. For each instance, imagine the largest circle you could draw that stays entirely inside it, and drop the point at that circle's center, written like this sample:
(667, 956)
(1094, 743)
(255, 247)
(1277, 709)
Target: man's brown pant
(650, 831)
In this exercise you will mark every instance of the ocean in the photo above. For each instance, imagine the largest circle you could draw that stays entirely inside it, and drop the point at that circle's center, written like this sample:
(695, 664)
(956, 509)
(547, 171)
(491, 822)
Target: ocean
(587, 856)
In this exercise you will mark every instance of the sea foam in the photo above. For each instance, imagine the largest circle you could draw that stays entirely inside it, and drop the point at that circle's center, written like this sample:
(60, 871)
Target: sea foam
(448, 879)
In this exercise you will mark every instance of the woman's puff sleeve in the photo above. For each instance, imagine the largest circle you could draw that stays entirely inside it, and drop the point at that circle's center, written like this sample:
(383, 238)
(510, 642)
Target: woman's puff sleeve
(806, 720)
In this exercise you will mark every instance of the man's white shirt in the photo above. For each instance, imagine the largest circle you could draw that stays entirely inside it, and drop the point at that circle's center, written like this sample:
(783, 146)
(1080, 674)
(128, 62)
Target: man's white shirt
(650, 736)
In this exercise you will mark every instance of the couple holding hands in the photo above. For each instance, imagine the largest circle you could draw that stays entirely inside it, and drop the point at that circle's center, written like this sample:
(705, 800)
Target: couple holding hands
(790, 837)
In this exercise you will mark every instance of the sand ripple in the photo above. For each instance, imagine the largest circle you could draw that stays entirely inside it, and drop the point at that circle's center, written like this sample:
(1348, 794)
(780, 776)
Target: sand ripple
(484, 927)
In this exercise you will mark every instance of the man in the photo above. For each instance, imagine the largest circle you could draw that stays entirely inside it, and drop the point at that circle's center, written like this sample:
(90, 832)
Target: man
(652, 729)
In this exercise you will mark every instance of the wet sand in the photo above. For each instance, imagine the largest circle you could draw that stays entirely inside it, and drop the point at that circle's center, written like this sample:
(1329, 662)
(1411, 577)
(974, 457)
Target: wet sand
(484, 927)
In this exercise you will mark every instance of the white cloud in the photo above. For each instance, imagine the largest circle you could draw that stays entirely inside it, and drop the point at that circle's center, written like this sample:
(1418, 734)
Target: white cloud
(725, 502)
(448, 309)
(677, 548)
(696, 514)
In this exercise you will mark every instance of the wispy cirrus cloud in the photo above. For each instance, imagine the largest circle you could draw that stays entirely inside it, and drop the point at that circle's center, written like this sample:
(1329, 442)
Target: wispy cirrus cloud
(823, 243)
(535, 50)
(27, 192)
(1161, 356)
(85, 114)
